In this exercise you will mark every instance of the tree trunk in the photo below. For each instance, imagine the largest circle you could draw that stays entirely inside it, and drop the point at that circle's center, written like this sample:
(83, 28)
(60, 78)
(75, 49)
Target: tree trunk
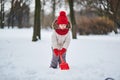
(72, 17)
(2, 14)
(42, 13)
(11, 15)
(36, 29)
(54, 5)
(115, 8)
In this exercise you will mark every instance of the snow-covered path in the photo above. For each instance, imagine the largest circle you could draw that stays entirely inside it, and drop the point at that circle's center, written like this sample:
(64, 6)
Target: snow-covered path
(89, 57)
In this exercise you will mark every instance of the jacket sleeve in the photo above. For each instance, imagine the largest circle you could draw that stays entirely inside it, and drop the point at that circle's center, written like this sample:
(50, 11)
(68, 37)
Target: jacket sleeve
(67, 41)
(54, 40)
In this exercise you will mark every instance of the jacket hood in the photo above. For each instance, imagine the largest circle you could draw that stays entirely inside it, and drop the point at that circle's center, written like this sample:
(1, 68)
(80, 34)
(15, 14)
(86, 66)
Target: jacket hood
(55, 25)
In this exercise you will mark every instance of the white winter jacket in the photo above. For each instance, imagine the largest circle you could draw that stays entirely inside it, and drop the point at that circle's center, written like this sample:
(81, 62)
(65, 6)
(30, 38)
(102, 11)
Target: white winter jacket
(60, 41)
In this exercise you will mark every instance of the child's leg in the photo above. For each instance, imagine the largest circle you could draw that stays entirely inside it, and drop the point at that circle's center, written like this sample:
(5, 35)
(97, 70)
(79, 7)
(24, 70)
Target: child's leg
(54, 61)
(64, 58)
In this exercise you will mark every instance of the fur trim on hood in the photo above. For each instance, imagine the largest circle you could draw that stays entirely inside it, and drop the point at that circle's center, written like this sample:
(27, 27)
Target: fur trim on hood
(55, 25)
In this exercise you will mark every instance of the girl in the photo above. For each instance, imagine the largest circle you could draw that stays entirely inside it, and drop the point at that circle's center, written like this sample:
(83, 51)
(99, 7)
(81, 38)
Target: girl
(60, 39)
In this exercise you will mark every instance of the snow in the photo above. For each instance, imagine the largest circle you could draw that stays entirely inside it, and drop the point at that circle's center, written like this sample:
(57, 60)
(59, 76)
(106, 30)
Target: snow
(94, 57)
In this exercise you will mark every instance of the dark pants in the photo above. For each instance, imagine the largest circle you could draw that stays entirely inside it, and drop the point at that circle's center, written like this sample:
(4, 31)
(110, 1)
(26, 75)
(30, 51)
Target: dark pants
(56, 60)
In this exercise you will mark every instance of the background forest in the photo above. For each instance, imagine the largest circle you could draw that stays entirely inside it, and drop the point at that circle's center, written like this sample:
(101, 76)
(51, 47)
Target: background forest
(87, 16)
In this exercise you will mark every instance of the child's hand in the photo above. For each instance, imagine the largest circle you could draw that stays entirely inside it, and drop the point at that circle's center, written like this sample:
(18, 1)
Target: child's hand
(62, 51)
(56, 51)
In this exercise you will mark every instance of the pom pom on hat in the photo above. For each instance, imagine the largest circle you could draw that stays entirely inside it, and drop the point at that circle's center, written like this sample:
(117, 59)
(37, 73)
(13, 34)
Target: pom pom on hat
(62, 13)
(62, 18)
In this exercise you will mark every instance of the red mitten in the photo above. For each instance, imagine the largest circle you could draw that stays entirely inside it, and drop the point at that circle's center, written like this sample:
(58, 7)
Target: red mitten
(56, 51)
(62, 51)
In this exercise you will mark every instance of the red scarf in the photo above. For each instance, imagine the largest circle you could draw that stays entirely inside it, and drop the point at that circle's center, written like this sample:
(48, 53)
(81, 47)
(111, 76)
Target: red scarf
(62, 31)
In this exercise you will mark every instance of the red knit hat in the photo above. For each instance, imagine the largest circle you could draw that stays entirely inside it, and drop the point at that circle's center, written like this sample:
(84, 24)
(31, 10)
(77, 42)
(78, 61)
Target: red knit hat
(62, 18)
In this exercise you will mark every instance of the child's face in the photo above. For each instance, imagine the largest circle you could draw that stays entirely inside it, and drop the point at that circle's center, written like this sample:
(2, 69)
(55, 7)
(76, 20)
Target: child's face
(62, 26)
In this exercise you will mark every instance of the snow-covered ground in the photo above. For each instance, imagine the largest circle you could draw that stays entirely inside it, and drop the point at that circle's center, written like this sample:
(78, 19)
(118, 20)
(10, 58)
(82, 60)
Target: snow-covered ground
(90, 57)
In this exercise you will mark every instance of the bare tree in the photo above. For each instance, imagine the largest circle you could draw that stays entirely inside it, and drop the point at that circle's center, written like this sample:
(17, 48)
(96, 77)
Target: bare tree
(2, 14)
(19, 13)
(42, 13)
(72, 17)
(54, 6)
(11, 15)
(111, 9)
(115, 10)
(107, 8)
(37, 21)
